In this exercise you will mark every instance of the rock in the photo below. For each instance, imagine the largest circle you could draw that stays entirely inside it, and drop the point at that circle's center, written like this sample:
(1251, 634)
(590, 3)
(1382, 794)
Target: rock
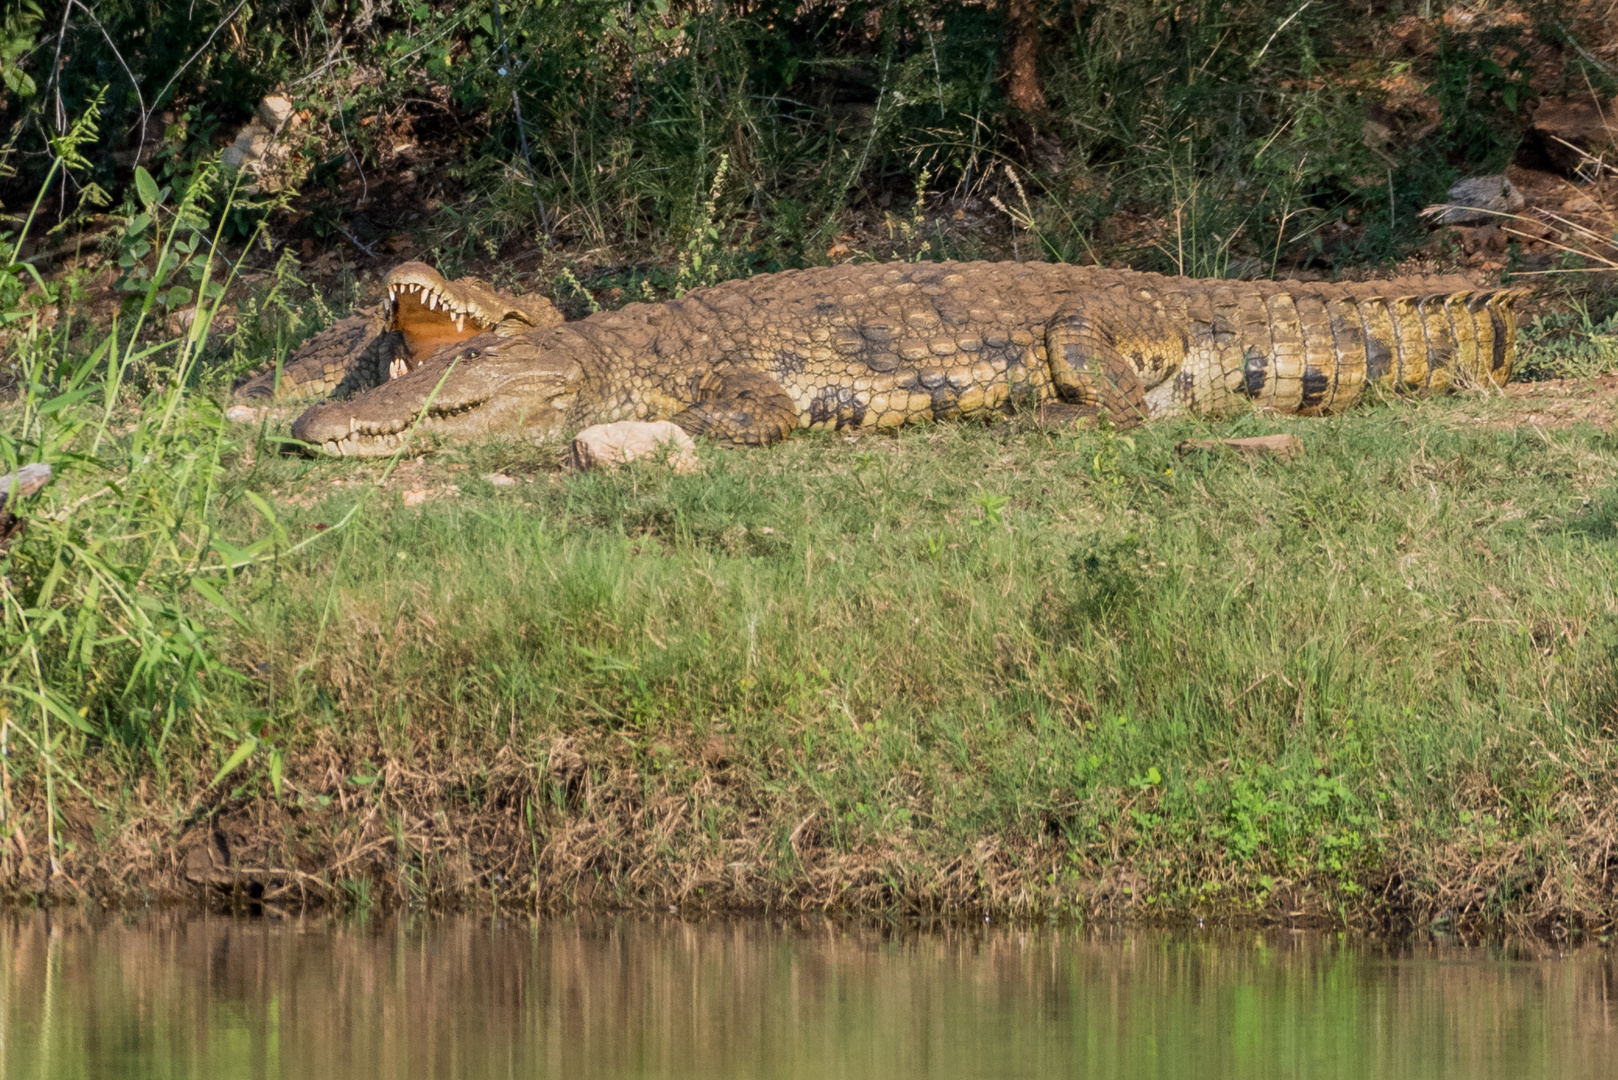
(1580, 204)
(499, 479)
(1282, 447)
(14, 486)
(242, 414)
(256, 151)
(23, 483)
(415, 497)
(630, 440)
(274, 112)
(1577, 137)
(1477, 200)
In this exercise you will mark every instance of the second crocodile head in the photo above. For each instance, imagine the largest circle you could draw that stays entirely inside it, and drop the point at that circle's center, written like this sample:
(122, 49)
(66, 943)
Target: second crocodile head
(430, 311)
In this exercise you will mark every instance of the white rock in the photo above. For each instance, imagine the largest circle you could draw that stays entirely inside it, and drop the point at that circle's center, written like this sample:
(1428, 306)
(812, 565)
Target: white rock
(500, 479)
(630, 440)
(242, 414)
(274, 111)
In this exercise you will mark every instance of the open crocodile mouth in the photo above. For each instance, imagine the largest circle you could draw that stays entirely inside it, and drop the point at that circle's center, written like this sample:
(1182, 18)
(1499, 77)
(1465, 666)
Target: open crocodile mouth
(374, 439)
(429, 317)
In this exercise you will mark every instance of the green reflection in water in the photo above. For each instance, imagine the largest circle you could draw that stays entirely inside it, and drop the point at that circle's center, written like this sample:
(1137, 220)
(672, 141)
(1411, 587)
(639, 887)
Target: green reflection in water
(182, 996)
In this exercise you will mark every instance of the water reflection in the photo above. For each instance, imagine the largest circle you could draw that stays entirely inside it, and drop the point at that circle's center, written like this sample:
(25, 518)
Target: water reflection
(196, 996)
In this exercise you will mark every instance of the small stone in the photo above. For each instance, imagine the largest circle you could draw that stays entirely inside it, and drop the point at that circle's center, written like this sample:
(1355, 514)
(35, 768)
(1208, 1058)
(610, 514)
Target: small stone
(415, 497)
(630, 440)
(500, 479)
(242, 414)
(24, 482)
(1477, 200)
(1580, 204)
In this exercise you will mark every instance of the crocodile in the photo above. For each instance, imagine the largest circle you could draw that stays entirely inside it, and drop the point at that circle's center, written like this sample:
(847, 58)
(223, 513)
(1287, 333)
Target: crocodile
(747, 362)
(421, 312)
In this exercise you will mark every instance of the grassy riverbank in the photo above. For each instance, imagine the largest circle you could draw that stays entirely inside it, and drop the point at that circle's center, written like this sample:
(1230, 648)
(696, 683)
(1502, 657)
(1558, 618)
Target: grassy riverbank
(966, 669)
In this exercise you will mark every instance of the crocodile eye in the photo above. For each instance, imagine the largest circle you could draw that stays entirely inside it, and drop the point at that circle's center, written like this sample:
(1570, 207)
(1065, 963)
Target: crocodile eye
(471, 354)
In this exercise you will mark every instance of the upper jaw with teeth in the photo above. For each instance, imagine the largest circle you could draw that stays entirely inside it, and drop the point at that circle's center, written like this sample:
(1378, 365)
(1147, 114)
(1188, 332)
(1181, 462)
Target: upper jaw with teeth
(432, 299)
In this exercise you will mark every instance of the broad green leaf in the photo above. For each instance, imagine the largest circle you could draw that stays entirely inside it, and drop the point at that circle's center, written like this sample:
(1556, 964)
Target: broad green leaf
(243, 751)
(147, 187)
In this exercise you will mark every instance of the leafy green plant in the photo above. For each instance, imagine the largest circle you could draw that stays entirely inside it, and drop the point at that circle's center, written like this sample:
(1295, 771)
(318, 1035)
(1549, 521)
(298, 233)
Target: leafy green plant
(1569, 345)
(17, 35)
(991, 508)
(169, 245)
(1111, 456)
(699, 263)
(99, 603)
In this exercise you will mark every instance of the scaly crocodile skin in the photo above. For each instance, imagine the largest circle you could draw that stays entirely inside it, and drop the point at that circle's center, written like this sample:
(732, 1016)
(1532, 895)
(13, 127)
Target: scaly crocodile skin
(749, 361)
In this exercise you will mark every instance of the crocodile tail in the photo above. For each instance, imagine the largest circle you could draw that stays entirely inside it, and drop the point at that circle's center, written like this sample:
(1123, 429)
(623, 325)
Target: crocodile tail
(1436, 341)
(1329, 348)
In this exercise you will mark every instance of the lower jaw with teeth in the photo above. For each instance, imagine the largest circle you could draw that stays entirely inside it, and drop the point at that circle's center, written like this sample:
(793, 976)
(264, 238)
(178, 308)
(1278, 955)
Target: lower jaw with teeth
(358, 442)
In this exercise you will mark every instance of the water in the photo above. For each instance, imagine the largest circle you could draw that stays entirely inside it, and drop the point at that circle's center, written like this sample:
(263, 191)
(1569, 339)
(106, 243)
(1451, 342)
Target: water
(181, 996)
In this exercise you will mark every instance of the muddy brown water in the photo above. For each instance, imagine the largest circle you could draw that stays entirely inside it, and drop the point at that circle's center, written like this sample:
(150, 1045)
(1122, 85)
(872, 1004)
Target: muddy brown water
(180, 996)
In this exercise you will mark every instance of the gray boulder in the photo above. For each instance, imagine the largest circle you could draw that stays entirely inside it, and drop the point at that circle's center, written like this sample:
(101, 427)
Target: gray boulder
(1477, 200)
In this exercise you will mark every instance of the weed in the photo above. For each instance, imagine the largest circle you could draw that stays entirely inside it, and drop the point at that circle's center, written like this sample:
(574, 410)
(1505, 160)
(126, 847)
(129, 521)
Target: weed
(1570, 345)
(700, 261)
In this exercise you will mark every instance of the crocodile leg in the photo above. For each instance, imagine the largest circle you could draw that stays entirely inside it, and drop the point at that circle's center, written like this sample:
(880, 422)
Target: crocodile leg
(741, 408)
(1090, 372)
(346, 358)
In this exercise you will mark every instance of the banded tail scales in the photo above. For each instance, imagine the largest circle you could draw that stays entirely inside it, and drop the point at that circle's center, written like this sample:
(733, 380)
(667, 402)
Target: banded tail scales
(1313, 348)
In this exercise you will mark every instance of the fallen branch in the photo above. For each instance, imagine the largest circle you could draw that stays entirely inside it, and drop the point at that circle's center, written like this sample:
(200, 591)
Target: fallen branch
(1283, 447)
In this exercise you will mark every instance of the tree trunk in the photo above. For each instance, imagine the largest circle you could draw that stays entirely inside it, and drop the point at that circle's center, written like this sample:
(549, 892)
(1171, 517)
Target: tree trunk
(1022, 60)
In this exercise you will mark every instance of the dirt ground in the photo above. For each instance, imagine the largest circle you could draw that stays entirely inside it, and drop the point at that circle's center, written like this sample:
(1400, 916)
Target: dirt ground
(1562, 403)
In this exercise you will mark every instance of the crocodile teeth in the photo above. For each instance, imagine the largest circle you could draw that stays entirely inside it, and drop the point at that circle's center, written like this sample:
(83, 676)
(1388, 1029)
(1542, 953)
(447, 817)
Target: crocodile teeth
(332, 447)
(432, 301)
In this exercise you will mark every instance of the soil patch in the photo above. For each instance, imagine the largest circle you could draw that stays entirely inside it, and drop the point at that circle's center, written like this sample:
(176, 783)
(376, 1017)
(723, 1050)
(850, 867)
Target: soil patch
(1562, 403)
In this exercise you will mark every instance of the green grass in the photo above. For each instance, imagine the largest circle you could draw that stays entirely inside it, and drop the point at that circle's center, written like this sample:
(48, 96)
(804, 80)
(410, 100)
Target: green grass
(966, 668)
